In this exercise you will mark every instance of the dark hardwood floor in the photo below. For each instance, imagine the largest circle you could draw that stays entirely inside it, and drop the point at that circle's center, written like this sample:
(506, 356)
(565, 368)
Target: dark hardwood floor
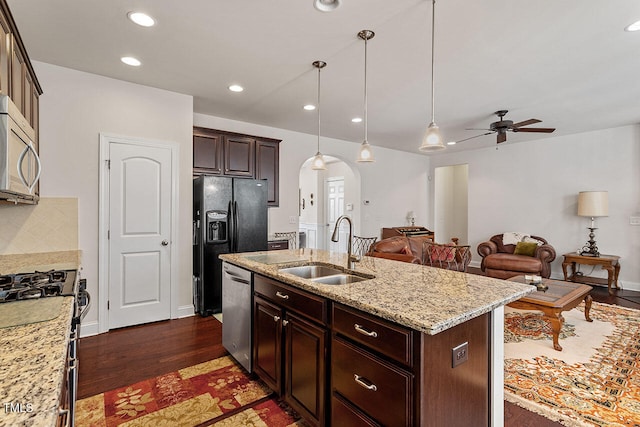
(128, 355)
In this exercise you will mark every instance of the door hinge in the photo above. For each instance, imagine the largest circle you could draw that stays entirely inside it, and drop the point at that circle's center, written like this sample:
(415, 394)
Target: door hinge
(108, 305)
(108, 234)
(108, 164)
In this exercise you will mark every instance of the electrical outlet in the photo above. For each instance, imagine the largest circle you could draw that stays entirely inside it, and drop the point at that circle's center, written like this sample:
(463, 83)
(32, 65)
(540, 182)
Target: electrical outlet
(634, 220)
(292, 220)
(459, 354)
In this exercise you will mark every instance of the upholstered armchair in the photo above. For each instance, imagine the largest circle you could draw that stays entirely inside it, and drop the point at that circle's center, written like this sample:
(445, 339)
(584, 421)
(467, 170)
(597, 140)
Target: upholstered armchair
(505, 261)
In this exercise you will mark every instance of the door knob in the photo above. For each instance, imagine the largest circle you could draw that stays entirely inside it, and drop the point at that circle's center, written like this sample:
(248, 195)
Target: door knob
(165, 242)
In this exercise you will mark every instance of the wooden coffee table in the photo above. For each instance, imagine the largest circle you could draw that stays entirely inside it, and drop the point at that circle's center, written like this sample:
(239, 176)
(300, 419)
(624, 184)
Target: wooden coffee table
(560, 296)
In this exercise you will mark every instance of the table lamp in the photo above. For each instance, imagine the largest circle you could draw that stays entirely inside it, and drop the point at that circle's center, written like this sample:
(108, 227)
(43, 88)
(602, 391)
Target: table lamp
(592, 204)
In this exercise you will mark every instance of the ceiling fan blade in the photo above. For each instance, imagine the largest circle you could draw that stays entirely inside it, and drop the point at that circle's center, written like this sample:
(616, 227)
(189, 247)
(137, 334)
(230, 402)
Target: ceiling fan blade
(477, 136)
(540, 130)
(479, 129)
(526, 123)
(502, 137)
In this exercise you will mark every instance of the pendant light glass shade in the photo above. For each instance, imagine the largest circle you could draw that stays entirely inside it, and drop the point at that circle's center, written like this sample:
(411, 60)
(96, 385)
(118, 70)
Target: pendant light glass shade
(318, 160)
(365, 154)
(432, 140)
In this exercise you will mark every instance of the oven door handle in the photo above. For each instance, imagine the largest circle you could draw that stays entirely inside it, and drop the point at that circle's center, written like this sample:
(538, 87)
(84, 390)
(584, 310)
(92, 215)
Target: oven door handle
(85, 309)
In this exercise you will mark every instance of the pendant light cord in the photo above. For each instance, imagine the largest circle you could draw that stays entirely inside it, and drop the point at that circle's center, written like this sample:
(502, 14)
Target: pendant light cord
(319, 68)
(433, 35)
(366, 139)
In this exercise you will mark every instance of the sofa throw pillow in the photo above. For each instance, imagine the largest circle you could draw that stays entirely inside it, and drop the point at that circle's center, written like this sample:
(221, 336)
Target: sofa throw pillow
(526, 248)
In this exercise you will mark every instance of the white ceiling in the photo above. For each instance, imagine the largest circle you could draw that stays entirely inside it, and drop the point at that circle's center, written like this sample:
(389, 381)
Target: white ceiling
(568, 63)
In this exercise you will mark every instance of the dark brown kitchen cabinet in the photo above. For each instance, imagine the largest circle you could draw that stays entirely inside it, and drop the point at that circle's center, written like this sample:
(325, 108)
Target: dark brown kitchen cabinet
(207, 152)
(239, 156)
(17, 77)
(217, 152)
(267, 167)
(5, 49)
(290, 346)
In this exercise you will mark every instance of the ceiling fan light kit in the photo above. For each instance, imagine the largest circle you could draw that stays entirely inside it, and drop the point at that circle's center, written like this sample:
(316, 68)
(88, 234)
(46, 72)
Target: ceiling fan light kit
(432, 140)
(318, 161)
(365, 155)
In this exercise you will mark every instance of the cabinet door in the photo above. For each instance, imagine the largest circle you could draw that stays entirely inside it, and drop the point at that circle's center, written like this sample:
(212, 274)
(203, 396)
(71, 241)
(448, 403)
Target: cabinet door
(207, 154)
(267, 156)
(28, 90)
(239, 156)
(267, 343)
(5, 63)
(305, 365)
(18, 68)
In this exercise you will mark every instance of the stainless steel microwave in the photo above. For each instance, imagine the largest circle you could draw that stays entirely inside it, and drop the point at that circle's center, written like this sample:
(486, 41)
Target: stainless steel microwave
(19, 162)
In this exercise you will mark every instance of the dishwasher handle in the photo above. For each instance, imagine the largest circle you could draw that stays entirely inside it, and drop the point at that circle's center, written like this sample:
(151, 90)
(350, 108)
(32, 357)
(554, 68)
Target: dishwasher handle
(234, 277)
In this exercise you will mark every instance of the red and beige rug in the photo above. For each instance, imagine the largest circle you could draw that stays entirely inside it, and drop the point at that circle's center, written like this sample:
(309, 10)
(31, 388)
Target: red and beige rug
(593, 381)
(215, 393)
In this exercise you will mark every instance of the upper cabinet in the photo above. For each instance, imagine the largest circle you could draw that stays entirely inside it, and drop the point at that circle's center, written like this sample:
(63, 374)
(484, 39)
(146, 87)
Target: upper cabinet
(217, 152)
(17, 78)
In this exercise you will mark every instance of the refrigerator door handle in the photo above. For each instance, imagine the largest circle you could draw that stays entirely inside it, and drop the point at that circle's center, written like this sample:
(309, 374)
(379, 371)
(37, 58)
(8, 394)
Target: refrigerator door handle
(235, 226)
(232, 227)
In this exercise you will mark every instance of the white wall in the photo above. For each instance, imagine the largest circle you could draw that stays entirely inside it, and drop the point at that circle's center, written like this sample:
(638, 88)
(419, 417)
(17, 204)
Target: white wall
(74, 109)
(533, 187)
(395, 184)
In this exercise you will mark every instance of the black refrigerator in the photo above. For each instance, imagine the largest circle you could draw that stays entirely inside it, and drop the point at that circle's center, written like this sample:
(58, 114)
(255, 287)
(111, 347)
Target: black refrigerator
(229, 215)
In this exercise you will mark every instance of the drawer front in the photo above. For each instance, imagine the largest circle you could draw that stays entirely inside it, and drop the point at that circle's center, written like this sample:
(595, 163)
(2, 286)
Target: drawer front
(276, 245)
(345, 415)
(304, 303)
(378, 388)
(379, 335)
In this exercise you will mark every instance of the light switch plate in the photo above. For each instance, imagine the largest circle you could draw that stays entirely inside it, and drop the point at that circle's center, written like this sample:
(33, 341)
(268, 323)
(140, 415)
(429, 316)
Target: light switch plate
(634, 220)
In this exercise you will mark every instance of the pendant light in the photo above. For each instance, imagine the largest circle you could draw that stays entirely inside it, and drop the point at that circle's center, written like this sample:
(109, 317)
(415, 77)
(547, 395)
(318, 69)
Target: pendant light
(318, 160)
(432, 140)
(365, 155)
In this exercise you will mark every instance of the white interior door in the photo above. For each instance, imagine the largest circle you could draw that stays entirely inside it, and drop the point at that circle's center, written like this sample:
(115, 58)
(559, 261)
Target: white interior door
(335, 208)
(140, 209)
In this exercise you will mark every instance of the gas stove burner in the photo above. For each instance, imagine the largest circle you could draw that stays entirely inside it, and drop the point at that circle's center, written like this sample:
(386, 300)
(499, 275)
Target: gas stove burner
(14, 287)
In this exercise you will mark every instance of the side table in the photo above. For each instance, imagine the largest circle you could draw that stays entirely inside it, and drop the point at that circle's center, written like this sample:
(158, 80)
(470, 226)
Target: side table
(611, 263)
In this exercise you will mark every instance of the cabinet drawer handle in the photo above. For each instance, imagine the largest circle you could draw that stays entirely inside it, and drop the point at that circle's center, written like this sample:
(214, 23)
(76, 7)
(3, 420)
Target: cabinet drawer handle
(365, 383)
(276, 318)
(364, 331)
(281, 295)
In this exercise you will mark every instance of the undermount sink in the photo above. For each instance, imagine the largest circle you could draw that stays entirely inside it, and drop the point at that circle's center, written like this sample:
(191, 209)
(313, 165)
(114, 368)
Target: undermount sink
(311, 271)
(327, 275)
(340, 279)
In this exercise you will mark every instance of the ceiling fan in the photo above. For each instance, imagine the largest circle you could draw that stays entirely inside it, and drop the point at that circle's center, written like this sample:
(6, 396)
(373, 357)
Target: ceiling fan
(502, 126)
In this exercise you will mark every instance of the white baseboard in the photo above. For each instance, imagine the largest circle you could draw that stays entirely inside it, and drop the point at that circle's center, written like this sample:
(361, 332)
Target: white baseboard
(91, 328)
(185, 311)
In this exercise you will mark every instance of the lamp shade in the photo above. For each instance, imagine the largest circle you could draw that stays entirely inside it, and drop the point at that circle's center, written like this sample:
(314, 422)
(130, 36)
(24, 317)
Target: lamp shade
(593, 203)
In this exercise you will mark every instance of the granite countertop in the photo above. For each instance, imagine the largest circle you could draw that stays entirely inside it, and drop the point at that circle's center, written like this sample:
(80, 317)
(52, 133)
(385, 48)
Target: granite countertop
(426, 299)
(33, 359)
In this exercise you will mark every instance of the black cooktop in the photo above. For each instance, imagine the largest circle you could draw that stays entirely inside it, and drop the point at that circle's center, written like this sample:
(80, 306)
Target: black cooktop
(38, 284)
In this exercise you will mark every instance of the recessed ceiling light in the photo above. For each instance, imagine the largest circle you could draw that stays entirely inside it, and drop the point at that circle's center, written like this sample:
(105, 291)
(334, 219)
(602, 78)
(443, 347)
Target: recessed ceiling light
(236, 88)
(309, 107)
(141, 19)
(633, 27)
(356, 120)
(130, 60)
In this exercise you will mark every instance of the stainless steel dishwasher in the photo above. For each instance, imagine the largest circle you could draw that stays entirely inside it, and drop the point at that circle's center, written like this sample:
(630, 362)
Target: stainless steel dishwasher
(237, 287)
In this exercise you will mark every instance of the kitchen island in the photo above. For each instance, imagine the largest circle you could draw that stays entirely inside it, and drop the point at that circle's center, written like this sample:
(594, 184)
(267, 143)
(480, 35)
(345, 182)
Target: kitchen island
(435, 316)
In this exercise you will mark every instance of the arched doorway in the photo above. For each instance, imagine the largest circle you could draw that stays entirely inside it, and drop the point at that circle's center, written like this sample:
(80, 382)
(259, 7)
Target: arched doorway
(324, 196)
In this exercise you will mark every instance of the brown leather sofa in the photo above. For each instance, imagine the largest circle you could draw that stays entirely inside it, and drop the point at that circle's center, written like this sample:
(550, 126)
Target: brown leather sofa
(499, 260)
(399, 248)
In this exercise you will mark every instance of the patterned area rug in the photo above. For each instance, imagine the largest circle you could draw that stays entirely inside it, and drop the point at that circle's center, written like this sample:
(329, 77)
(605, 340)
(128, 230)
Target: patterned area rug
(214, 393)
(593, 381)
